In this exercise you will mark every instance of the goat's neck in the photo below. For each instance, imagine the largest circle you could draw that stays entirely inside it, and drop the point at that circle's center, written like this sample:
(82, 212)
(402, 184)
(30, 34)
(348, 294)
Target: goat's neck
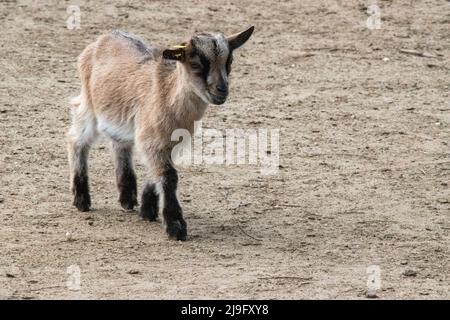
(183, 92)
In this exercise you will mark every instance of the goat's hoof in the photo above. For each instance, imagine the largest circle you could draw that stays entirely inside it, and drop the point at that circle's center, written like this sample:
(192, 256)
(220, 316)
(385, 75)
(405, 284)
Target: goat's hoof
(177, 230)
(149, 215)
(82, 202)
(128, 202)
(128, 206)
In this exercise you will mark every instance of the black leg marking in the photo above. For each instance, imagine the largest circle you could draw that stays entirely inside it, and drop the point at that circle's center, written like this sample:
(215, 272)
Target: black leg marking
(82, 199)
(125, 176)
(173, 215)
(127, 188)
(150, 202)
(80, 182)
(80, 138)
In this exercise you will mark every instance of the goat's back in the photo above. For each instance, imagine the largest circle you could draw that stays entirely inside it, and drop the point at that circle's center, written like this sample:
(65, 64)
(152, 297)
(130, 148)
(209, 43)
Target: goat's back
(115, 73)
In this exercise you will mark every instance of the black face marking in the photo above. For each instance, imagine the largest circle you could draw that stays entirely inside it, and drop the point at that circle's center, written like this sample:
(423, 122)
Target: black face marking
(229, 62)
(203, 71)
(216, 48)
(212, 51)
(205, 64)
(150, 202)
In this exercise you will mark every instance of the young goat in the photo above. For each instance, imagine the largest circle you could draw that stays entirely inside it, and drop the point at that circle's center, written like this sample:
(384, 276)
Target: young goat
(138, 95)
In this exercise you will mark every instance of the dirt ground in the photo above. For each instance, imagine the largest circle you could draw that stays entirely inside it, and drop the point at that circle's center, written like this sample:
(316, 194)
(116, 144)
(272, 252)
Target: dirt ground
(364, 154)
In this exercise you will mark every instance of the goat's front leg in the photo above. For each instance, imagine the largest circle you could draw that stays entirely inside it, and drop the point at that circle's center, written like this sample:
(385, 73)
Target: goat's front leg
(172, 213)
(125, 176)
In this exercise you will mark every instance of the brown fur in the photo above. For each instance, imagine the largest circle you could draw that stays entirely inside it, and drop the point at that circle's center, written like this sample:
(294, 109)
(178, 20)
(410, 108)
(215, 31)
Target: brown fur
(133, 95)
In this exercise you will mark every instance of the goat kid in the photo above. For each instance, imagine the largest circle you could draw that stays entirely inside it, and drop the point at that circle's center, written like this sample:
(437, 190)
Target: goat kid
(137, 94)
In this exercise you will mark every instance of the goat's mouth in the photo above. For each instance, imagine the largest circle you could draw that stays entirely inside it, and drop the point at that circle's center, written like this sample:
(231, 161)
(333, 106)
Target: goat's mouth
(216, 98)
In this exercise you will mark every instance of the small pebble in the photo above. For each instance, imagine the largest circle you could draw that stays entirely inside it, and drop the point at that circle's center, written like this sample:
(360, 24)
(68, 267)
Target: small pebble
(69, 236)
(410, 273)
(134, 272)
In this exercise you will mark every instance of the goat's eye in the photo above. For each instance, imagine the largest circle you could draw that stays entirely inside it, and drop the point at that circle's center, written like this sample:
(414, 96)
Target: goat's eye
(196, 66)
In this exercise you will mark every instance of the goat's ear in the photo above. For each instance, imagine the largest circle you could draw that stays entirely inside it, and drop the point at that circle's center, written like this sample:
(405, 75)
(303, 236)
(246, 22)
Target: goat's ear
(238, 39)
(178, 53)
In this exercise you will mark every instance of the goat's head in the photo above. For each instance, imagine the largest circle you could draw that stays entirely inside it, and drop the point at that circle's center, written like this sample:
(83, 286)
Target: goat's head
(207, 58)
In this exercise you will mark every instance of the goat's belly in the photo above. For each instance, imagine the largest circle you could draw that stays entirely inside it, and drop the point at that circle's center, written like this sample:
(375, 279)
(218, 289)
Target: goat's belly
(122, 132)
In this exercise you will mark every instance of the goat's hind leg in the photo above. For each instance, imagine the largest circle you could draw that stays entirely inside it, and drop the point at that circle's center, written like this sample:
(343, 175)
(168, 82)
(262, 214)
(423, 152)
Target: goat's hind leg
(150, 201)
(81, 136)
(125, 176)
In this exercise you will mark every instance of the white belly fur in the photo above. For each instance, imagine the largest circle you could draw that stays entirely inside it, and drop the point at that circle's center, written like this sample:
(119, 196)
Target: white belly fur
(119, 132)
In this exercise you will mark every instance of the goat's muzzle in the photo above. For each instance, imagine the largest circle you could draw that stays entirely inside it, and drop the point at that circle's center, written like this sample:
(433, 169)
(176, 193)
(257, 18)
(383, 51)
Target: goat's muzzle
(219, 94)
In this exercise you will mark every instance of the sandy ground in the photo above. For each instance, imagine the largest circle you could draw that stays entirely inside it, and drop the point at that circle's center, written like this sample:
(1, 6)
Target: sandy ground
(364, 157)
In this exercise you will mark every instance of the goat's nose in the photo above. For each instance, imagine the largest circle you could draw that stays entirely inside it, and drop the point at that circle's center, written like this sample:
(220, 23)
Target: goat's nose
(222, 88)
